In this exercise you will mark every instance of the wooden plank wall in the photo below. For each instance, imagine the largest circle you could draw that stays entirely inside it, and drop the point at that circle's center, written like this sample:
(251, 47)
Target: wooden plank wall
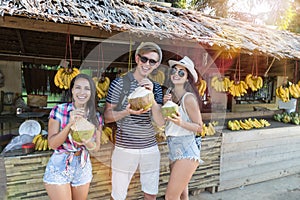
(25, 176)
(254, 156)
(2, 178)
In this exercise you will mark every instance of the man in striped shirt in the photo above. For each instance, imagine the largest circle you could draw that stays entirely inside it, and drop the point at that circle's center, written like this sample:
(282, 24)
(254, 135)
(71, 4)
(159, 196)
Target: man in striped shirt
(135, 139)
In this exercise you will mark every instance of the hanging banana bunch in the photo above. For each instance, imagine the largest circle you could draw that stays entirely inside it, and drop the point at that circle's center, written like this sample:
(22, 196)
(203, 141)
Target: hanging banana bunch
(159, 77)
(64, 76)
(221, 84)
(254, 82)
(238, 89)
(202, 87)
(294, 90)
(283, 93)
(107, 135)
(102, 86)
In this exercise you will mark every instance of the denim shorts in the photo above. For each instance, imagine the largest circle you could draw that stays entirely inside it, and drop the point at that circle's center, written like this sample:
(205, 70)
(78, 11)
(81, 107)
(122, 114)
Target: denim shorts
(184, 147)
(57, 173)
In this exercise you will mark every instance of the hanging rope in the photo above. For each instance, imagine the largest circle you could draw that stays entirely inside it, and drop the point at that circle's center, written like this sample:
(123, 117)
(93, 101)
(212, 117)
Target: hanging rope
(256, 65)
(68, 46)
(285, 78)
(252, 67)
(238, 69)
(295, 72)
(129, 68)
(222, 66)
(98, 62)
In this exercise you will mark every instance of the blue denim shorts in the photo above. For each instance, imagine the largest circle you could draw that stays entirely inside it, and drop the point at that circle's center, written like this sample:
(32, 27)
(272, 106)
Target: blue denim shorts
(184, 147)
(57, 173)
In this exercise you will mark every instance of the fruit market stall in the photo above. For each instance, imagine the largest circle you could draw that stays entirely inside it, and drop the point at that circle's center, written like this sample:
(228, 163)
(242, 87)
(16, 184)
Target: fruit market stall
(243, 153)
(24, 172)
(251, 153)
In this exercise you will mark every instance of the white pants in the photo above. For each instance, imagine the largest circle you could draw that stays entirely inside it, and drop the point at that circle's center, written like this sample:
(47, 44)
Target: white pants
(125, 163)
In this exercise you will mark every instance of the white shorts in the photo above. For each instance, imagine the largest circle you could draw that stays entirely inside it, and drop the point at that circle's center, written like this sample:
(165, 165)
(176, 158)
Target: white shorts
(125, 163)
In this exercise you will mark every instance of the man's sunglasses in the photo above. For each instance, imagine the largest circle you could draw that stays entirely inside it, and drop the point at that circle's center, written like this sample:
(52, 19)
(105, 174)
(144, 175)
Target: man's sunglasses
(145, 60)
(180, 73)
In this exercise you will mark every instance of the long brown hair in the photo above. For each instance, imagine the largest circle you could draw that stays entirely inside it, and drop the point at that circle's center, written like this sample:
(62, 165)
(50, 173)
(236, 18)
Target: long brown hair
(191, 86)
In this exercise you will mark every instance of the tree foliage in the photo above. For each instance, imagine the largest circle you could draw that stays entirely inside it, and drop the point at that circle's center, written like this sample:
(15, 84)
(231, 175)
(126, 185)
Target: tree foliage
(281, 13)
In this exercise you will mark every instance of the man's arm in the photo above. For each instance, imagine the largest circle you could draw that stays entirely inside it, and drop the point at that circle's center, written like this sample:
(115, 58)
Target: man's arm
(112, 116)
(156, 108)
(157, 114)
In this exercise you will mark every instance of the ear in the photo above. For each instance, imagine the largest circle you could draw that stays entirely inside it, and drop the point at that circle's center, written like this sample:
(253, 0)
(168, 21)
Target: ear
(137, 58)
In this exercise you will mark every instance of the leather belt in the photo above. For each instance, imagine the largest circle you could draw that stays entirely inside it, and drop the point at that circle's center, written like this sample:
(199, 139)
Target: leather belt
(77, 153)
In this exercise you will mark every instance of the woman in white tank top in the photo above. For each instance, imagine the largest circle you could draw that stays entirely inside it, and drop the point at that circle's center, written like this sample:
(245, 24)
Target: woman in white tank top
(184, 153)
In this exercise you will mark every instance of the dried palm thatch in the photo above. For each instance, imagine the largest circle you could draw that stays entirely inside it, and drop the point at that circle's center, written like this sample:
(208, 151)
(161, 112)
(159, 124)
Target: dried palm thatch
(145, 18)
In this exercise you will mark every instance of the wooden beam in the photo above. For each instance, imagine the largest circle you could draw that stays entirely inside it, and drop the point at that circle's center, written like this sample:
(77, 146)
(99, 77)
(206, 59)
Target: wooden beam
(88, 31)
(212, 61)
(20, 41)
(48, 26)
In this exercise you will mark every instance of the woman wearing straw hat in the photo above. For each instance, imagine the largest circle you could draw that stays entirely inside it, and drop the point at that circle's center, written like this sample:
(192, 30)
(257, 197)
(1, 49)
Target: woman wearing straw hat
(184, 154)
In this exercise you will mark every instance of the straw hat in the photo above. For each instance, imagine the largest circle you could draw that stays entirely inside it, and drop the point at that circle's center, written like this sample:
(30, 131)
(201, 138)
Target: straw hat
(187, 63)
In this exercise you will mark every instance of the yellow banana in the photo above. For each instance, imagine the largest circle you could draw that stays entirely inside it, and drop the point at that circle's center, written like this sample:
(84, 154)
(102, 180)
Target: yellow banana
(244, 125)
(38, 142)
(204, 130)
(211, 129)
(58, 79)
(45, 145)
(259, 82)
(36, 138)
(202, 87)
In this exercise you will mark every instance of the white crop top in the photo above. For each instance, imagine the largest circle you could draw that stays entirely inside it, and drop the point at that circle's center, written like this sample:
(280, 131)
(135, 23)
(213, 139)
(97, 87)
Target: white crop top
(174, 130)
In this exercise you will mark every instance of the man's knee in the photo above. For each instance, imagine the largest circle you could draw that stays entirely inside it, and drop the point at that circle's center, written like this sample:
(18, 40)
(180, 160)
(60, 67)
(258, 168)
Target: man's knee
(149, 196)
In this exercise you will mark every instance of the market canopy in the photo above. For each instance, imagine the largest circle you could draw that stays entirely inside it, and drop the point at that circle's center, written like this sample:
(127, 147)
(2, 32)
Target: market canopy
(144, 18)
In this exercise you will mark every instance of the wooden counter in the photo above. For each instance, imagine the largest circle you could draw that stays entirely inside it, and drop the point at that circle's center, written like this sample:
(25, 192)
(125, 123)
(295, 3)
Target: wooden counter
(258, 155)
(24, 173)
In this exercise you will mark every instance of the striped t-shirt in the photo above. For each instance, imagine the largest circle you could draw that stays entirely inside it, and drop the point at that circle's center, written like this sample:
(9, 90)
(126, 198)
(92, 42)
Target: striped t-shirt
(134, 131)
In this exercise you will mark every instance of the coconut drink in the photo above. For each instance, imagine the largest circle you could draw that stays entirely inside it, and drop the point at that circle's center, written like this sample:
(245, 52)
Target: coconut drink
(82, 129)
(169, 108)
(141, 98)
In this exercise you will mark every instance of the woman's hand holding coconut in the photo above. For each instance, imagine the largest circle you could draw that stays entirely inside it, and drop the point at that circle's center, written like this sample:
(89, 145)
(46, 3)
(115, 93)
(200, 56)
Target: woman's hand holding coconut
(76, 114)
(170, 110)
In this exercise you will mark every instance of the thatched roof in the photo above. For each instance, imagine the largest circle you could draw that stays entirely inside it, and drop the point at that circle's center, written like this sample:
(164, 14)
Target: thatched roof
(160, 22)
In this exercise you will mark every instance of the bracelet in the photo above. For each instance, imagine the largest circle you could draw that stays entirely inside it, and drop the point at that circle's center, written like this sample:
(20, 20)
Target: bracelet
(93, 148)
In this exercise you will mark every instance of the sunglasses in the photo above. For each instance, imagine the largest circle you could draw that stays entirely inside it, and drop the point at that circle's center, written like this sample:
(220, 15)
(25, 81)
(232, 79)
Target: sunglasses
(180, 72)
(145, 60)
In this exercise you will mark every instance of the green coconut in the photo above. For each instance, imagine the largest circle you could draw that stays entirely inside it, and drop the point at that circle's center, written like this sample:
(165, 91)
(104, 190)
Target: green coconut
(169, 108)
(141, 98)
(82, 130)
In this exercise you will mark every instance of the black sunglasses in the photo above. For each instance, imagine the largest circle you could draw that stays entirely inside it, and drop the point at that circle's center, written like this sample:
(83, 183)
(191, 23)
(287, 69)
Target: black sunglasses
(145, 60)
(181, 72)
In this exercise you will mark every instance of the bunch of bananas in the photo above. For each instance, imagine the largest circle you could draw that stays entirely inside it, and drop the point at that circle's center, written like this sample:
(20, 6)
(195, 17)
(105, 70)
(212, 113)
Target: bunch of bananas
(294, 90)
(107, 135)
(221, 84)
(202, 87)
(41, 142)
(207, 130)
(64, 76)
(254, 82)
(160, 132)
(157, 76)
(102, 86)
(283, 93)
(238, 89)
(247, 124)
